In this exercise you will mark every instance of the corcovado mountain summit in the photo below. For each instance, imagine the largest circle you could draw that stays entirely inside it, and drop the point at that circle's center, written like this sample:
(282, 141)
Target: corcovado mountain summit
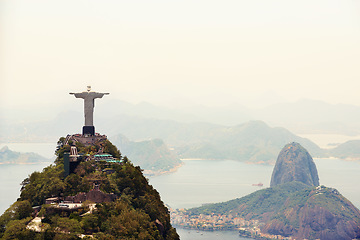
(90, 192)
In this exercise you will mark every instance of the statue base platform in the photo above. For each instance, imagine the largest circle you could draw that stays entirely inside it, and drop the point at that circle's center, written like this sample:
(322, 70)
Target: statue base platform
(88, 130)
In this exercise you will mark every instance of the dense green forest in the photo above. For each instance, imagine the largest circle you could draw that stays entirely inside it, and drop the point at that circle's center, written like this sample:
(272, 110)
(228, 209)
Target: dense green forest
(136, 213)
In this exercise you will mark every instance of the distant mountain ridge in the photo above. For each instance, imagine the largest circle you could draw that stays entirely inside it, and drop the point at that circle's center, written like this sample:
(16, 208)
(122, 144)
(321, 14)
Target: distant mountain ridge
(252, 141)
(152, 155)
(348, 150)
(302, 116)
(8, 156)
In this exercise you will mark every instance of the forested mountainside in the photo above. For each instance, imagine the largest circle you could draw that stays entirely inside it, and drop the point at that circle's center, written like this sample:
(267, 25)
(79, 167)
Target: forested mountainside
(293, 209)
(98, 200)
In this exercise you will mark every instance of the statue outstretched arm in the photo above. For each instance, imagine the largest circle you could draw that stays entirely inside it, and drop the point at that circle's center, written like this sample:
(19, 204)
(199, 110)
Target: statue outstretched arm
(99, 95)
(78, 95)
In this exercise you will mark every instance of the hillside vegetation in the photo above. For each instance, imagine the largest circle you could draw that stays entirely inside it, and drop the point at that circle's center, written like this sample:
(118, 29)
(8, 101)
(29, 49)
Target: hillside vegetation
(136, 213)
(294, 209)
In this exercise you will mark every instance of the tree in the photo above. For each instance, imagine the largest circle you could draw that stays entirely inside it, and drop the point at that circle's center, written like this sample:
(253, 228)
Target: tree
(90, 223)
(75, 184)
(16, 229)
(68, 225)
(110, 148)
(18, 210)
(42, 185)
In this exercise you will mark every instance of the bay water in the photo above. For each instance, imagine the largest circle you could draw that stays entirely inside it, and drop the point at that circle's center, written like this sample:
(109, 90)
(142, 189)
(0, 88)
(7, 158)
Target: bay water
(199, 182)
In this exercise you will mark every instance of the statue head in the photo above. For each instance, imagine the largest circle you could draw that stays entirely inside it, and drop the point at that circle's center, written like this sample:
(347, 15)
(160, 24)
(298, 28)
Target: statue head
(88, 88)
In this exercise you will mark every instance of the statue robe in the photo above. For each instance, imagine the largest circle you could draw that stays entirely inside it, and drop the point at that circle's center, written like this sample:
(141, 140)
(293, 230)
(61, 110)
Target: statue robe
(89, 105)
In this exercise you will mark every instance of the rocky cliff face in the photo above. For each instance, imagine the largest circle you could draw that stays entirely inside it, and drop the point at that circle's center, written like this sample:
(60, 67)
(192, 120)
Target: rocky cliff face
(317, 213)
(294, 163)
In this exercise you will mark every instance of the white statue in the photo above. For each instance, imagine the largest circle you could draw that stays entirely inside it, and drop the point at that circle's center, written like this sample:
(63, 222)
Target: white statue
(89, 104)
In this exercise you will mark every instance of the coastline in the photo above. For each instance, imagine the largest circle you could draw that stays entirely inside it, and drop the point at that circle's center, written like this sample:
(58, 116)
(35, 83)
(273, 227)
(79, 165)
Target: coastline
(150, 173)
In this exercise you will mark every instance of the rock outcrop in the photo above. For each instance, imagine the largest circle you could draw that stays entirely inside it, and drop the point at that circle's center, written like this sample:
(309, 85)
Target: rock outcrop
(315, 213)
(294, 163)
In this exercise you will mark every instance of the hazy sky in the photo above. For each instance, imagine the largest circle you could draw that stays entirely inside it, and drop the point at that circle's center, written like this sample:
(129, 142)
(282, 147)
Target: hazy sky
(205, 52)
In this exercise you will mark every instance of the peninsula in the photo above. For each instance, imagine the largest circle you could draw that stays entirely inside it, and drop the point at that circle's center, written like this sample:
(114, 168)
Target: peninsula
(295, 207)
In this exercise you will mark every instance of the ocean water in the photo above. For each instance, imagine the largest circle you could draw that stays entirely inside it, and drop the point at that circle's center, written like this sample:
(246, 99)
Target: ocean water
(11, 175)
(197, 182)
(186, 234)
(342, 175)
(207, 181)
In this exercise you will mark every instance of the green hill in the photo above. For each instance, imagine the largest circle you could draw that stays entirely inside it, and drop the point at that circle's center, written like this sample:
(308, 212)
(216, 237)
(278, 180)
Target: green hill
(256, 205)
(152, 155)
(253, 141)
(98, 200)
(293, 209)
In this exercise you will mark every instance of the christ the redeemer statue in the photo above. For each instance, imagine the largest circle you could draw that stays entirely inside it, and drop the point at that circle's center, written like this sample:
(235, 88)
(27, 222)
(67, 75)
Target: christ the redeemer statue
(89, 104)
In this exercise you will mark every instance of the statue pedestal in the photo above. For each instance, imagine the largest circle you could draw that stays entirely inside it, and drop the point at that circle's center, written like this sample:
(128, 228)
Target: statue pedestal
(88, 130)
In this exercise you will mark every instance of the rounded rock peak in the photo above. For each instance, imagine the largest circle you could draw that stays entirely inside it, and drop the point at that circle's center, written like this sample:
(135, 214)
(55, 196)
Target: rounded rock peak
(294, 163)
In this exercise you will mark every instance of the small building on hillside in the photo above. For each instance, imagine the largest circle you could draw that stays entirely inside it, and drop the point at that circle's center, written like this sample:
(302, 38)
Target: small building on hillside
(53, 200)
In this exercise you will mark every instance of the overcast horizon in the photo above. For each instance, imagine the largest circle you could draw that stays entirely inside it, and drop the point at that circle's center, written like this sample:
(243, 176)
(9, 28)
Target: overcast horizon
(212, 53)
